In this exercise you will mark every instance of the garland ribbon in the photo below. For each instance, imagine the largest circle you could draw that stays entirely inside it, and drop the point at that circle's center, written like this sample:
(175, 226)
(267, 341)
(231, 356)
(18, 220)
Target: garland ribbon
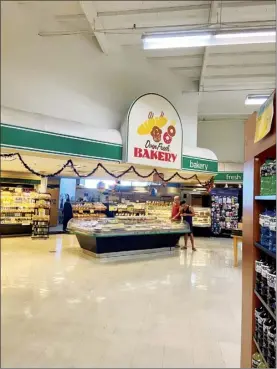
(70, 164)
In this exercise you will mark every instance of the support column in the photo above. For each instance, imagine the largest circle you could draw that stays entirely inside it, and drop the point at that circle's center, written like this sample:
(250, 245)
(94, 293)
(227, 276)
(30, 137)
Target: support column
(43, 185)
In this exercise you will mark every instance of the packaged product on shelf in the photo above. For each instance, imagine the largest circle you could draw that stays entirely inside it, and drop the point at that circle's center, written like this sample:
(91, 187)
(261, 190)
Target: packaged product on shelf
(271, 284)
(268, 324)
(258, 312)
(258, 269)
(261, 319)
(256, 360)
(268, 178)
(267, 221)
(271, 338)
(265, 270)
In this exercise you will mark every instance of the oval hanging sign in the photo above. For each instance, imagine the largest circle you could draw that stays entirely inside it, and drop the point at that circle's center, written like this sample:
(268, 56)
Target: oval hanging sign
(153, 133)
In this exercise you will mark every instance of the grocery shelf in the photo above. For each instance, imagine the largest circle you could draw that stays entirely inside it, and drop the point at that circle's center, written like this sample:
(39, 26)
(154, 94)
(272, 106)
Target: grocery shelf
(260, 351)
(265, 305)
(266, 197)
(265, 250)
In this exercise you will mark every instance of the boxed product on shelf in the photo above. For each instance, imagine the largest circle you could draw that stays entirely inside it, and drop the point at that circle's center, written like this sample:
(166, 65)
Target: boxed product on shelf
(267, 221)
(268, 177)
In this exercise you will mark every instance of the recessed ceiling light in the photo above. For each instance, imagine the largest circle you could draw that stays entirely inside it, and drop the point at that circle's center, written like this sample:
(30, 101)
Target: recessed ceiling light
(256, 99)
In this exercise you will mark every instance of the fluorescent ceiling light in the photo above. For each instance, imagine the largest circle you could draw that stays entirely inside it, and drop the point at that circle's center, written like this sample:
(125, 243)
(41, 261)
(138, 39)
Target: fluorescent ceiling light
(200, 39)
(256, 99)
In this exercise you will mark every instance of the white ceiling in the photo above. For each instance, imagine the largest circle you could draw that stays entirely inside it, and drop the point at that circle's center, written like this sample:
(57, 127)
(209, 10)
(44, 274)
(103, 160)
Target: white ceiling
(221, 72)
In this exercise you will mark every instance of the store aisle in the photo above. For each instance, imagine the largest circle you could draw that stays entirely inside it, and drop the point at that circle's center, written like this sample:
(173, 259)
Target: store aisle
(60, 308)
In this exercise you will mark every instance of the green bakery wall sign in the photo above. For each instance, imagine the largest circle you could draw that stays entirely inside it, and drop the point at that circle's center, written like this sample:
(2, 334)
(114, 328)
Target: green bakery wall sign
(229, 177)
(199, 165)
(49, 142)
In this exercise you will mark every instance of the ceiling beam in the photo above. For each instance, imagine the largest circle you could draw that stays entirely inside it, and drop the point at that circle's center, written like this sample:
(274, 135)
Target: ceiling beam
(241, 76)
(212, 55)
(95, 23)
(186, 8)
(213, 13)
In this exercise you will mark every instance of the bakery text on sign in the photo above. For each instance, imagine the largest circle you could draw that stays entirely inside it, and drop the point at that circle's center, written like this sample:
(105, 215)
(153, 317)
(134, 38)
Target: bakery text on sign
(158, 147)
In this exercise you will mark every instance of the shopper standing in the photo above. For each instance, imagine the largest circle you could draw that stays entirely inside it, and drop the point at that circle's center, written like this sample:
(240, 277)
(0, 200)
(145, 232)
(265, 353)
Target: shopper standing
(186, 213)
(67, 212)
(175, 212)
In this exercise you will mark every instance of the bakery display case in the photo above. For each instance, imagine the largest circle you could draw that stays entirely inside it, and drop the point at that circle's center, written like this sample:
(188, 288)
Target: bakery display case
(90, 210)
(126, 233)
(17, 210)
(202, 217)
(160, 209)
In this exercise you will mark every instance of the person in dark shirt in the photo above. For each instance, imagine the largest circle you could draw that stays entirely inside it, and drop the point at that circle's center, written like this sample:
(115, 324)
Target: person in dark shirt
(186, 213)
(67, 213)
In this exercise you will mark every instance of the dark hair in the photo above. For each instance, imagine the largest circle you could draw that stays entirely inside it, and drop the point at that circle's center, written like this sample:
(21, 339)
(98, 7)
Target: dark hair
(183, 202)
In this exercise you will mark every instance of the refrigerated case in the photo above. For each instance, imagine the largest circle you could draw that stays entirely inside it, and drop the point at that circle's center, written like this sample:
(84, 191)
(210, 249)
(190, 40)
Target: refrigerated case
(126, 233)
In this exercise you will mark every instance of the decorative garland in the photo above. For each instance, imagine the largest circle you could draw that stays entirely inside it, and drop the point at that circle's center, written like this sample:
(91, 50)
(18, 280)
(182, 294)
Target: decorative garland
(70, 164)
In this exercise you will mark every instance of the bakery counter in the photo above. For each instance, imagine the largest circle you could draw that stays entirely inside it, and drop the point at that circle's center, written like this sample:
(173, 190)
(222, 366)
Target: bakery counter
(113, 236)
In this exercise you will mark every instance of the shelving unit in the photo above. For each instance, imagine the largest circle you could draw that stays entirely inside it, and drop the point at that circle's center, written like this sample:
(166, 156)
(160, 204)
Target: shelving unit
(16, 211)
(41, 217)
(253, 205)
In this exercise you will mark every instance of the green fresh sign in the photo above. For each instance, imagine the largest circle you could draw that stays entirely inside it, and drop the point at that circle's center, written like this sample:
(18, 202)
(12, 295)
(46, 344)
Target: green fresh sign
(199, 165)
(229, 177)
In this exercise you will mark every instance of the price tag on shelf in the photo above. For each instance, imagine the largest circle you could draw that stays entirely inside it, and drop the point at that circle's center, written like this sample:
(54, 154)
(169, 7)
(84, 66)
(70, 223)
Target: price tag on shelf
(91, 211)
(26, 222)
(112, 208)
(80, 211)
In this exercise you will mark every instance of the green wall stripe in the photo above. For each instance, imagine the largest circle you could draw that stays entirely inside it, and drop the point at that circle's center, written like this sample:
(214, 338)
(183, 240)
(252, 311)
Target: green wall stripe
(19, 180)
(48, 142)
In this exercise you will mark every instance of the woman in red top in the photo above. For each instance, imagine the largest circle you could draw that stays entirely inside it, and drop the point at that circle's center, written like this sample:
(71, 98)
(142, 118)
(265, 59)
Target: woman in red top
(175, 213)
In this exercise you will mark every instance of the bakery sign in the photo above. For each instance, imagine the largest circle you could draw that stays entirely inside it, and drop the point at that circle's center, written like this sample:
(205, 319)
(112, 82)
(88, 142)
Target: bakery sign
(152, 133)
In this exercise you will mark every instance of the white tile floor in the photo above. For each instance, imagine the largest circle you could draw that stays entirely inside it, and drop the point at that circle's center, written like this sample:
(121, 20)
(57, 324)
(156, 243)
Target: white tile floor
(61, 308)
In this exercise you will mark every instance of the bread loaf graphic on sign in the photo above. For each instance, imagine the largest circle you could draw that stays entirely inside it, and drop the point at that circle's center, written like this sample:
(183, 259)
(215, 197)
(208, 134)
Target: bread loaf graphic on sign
(146, 127)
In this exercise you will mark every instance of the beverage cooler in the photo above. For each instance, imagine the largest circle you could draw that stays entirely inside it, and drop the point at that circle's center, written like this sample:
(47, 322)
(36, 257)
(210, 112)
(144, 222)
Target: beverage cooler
(226, 210)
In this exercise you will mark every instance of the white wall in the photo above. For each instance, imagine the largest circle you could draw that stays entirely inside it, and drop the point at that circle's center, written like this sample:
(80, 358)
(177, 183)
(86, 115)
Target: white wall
(68, 78)
(224, 137)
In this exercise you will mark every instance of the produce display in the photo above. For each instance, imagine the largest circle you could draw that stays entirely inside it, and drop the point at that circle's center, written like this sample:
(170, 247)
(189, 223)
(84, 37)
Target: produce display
(125, 225)
(268, 178)
(17, 206)
(202, 217)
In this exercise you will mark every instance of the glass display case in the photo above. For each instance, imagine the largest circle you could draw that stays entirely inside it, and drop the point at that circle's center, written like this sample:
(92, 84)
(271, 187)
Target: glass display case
(126, 233)
(202, 217)
(125, 225)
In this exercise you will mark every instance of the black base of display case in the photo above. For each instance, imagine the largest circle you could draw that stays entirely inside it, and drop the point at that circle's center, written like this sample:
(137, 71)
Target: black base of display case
(199, 231)
(15, 230)
(104, 245)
